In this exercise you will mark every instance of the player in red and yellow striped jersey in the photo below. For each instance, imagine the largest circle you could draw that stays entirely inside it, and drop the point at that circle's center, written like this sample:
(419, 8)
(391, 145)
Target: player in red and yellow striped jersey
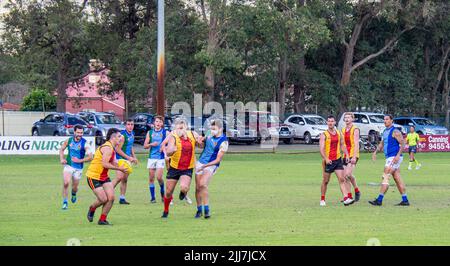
(181, 150)
(98, 178)
(331, 144)
(351, 138)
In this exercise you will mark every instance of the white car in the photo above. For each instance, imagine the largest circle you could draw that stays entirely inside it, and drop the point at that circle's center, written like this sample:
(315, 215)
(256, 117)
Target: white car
(371, 125)
(307, 127)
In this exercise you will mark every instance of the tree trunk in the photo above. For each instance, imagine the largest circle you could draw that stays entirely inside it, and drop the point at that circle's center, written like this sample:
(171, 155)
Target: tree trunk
(213, 42)
(445, 95)
(62, 87)
(438, 81)
(300, 87)
(282, 86)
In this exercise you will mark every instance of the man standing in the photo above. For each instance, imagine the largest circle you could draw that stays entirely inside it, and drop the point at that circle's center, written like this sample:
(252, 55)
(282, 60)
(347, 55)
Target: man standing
(351, 138)
(125, 151)
(73, 163)
(392, 144)
(156, 158)
(413, 139)
(331, 144)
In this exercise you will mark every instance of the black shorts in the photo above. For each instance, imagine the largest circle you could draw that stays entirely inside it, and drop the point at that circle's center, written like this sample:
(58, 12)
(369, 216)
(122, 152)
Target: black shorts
(93, 183)
(176, 174)
(344, 161)
(335, 165)
(412, 149)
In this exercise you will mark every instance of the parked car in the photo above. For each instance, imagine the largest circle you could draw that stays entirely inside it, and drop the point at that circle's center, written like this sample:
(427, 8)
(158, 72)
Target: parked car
(101, 123)
(423, 125)
(267, 126)
(235, 130)
(143, 122)
(59, 124)
(371, 125)
(308, 127)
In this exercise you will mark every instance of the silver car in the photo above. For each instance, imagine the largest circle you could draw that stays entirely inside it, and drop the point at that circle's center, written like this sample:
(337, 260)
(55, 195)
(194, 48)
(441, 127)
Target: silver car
(100, 123)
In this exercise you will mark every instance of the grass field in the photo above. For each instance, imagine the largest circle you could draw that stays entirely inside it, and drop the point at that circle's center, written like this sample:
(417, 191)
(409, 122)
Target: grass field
(258, 199)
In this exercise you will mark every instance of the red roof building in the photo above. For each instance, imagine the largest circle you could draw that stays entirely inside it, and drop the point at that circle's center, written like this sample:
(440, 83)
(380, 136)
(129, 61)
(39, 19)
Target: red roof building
(84, 95)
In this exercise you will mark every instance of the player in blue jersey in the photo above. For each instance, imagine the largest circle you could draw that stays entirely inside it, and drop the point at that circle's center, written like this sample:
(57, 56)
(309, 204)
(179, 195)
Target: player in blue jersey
(392, 144)
(78, 153)
(125, 151)
(216, 145)
(156, 157)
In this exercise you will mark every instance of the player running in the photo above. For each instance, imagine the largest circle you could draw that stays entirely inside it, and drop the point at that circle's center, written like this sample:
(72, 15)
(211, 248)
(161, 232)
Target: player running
(351, 138)
(98, 179)
(181, 149)
(125, 151)
(331, 144)
(156, 158)
(73, 162)
(413, 139)
(215, 147)
(392, 144)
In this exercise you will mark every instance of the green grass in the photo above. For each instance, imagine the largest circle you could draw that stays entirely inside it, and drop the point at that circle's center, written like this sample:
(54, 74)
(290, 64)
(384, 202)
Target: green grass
(257, 199)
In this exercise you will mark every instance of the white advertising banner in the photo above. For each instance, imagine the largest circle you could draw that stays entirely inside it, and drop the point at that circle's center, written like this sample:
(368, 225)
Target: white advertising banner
(23, 145)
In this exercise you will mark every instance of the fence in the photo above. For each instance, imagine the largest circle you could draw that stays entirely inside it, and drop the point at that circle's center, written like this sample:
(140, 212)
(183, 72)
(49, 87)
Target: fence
(18, 123)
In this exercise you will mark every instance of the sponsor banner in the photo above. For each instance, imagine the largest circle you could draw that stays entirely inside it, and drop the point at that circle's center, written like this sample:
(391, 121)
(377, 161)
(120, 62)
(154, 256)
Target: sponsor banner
(433, 143)
(12, 145)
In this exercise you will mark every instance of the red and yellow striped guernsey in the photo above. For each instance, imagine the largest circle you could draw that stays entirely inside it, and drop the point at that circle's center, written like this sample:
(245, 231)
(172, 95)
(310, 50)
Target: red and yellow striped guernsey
(349, 138)
(184, 157)
(332, 144)
(96, 170)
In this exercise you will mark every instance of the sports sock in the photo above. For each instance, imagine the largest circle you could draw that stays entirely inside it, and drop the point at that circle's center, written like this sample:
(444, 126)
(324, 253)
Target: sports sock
(380, 198)
(356, 190)
(410, 164)
(404, 197)
(206, 208)
(74, 193)
(199, 208)
(349, 195)
(417, 162)
(167, 203)
(92, 209)
(161, 188)
(65, 200)
(103, 217)
(322, 197)
(152, 191)
(122, 197)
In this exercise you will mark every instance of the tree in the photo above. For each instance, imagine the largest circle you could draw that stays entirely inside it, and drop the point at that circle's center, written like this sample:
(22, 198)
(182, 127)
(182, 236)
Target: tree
(38, 100)
(356, 16)
(48, 37)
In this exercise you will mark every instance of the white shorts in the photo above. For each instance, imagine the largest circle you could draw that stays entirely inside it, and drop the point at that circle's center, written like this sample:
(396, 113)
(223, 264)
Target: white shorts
(391, 165)
(156, 164)
(74, 173)
(212, 169)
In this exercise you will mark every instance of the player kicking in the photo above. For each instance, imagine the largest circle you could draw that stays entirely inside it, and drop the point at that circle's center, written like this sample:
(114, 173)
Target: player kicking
(98, 179)
(215, 147)
(156, 160)
(351, 138)
(181, 149)
(413, 139)
(392, 144)
(73, 163)
(125, 151)
(331, 144)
